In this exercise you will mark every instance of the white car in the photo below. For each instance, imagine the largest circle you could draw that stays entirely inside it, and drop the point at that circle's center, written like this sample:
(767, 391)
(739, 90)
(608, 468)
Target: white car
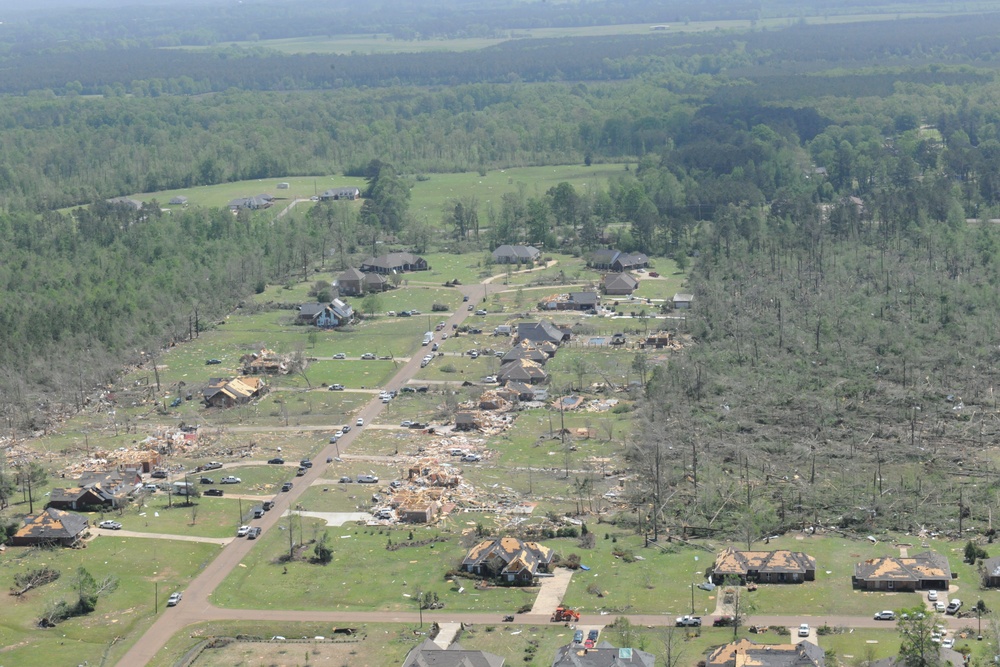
(230, 480)
(340, 355)
(948, 643)
(804, 630)
(360, 422)
(174, 599)
(242, 531)
(932, 596)
(110, 525)
(368, 356)
(940, 607)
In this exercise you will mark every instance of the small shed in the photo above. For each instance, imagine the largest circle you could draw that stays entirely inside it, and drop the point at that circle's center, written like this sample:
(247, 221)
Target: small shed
(682, 301)
(282, 186)
(179, 200)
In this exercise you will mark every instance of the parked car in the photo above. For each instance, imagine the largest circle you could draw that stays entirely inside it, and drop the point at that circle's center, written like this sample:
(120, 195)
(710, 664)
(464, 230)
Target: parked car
(336, 387)
(404, 313)
(408, 390)
(885, 615)
(212, 465)
(465, 298)
(578, 637)
(346, 480)
(213, 492)
(367, 479)
(932, 596)
(471, 307)
(206, 480)
(301, 471)
(347, 428)
(940, 607)
(306, 463)
(480, 312)
(213, 362)
(340, 355)
(277, 460)
(159, 474)
(287, 486)
(953, 606)
(254, 533)
(948, 643)
(593, 634)
(152, 488)
(368, 356)
(804, 630)
(654, 274)
(360, 422)
(108, 524)
(230, 480)
(174, 599)
(723, 622)
(242, 531)
(268, 505)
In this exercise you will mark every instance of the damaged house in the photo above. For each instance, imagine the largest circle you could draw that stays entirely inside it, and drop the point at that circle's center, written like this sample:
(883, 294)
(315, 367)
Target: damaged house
(51, 526)
(508, 559)
(920, 572)
(223, 393)
(769, 567)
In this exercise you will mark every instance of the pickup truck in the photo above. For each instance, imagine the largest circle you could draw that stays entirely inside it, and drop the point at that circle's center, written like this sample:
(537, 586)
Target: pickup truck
(689, 622)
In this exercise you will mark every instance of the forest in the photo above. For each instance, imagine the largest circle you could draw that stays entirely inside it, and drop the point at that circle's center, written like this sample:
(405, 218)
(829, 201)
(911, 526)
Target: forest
(832, 187)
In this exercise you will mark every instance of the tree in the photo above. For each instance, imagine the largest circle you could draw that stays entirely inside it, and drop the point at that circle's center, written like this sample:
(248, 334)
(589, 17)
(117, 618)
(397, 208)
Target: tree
(372, 303)
(974, 552)
(917, 648)
(323, 550)
(32, 478)
(742, 604)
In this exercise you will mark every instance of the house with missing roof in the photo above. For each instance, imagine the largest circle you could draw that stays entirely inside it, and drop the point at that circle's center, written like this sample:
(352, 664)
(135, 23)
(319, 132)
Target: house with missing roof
(223, 393)
(925, 571)
(768, 567)
(108, 489)
(508, 559)
(51, 526)
(429, 654)
(744, 653)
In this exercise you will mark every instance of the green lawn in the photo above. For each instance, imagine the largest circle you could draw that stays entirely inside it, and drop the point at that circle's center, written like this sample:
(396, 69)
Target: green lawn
(346, 584)
(138, 563)
(207, 517)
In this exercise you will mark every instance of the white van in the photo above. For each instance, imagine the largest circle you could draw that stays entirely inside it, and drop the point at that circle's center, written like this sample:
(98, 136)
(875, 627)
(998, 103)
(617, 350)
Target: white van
(428, 337)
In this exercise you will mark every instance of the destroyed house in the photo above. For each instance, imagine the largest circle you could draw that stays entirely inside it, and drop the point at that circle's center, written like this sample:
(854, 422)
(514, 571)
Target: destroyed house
(771, 567)
(745, 653)
(602, 655)
(263, 362)
(924, 571)
(508, 559)
(51, 526)
(429, 654)
(465, 421)
(222, 393)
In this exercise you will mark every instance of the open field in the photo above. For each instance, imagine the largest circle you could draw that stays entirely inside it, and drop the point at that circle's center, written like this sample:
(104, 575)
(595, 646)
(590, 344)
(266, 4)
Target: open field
(384, 43)
(141, 565)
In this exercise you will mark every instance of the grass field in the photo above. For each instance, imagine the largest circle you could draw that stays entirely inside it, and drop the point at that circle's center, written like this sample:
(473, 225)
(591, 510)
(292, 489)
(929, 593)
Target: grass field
(138, 563)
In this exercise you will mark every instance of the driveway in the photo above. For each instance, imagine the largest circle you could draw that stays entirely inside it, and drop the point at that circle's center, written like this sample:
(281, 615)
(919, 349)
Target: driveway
(102, 532)
(552, 591)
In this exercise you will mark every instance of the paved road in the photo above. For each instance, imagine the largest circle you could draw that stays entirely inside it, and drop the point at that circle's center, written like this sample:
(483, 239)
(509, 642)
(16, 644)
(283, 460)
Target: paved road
(196, 606)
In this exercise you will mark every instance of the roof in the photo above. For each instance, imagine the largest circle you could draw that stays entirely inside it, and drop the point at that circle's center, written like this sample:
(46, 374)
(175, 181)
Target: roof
(746, 653)
(602, 655)
(351, 274)
(340, 192)
(311, 309)
(375, 278)
(683, 297)
(517, 555)
(927, 565)
(539, 331)
(738, 563)
(125, 201)
(992, 566)
(392, 260)
(620, 281)
(524, 351)
(53, 524)
(429, 654)
(516, 252)
(584, 298)
(522, 369)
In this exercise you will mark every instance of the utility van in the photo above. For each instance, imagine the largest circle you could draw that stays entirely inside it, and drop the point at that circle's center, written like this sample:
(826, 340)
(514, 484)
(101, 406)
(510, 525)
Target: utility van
(428, 337)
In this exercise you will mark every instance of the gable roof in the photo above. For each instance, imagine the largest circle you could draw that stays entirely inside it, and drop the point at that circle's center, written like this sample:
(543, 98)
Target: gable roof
(516, 555)
(429, 654)
(584, 298)
(619, 281)
(351, 274)
(392, 260)
(516, 252)
(539, 331)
